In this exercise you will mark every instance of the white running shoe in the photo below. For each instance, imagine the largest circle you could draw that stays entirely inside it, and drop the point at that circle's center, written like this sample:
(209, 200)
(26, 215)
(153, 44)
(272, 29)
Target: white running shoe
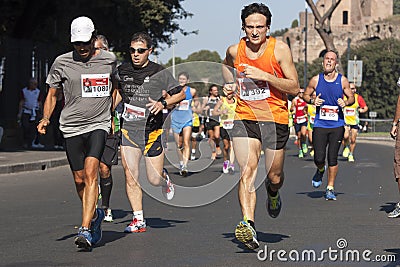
(108, 217)
(168, 190)
(136, 226)
(225, 166)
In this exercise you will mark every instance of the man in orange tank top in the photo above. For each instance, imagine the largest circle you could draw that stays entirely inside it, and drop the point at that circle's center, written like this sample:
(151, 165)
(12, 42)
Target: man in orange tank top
(262, 77)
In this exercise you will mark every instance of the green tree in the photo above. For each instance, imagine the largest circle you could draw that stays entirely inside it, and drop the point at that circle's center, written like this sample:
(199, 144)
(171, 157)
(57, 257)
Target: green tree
(295, 24)
(204, 55)
(279, 32)
(312, 69)
(396, 7)
(49, 21)
(381, 69)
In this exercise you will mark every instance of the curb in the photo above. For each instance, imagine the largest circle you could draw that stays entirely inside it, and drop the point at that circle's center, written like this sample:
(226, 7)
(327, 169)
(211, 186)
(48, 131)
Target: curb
(33, 166)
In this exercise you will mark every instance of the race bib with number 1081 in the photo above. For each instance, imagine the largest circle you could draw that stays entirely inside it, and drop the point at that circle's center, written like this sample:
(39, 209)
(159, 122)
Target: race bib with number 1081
(95, 85)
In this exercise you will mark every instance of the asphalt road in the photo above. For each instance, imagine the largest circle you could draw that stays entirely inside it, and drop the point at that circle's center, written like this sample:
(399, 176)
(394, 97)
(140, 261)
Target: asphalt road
(40, 212)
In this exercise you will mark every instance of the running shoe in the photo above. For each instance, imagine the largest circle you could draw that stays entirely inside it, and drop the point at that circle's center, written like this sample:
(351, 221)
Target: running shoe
(330, 194)
(301, 155)
(225, 166)
(109, 216)
(396, 212)
(84, 238)
(213, 155)
(350, 158)
(274, 204)
(304, 147)
(312, 152)
(246, 234)
(183, 171)
(168, 189)
(231, 168)
(317, 179)
(95, 226)
(136, 226)
(192, 156)
(346, 152)
(39, 145)
(218, 151)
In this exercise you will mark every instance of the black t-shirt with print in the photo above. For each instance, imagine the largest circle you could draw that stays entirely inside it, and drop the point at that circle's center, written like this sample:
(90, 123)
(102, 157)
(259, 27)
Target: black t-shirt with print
(137, 85)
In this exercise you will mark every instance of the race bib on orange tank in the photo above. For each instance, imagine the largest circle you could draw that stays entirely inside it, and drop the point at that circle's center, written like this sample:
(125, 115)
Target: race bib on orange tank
(95, 85)
(253, 89)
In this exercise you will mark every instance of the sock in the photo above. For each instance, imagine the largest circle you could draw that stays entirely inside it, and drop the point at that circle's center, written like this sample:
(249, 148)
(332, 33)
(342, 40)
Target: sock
(138, 215)
(322, 169)
(106, 186)
(193, 151)
(181, 163)
(329, 187)
(271, 193)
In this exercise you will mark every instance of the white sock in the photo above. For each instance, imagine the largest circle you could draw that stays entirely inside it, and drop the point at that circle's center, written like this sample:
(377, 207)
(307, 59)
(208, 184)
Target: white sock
(138, 215)
(193, 151)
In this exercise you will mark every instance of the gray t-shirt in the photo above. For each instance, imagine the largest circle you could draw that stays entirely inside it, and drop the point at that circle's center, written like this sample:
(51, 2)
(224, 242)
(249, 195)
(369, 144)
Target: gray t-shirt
(87, 87)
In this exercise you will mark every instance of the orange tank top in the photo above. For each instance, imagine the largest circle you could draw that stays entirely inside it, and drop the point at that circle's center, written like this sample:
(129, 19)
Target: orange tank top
(257, 100)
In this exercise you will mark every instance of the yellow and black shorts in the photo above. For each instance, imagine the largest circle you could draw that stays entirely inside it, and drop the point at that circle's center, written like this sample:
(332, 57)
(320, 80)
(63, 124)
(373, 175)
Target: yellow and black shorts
(149, 141)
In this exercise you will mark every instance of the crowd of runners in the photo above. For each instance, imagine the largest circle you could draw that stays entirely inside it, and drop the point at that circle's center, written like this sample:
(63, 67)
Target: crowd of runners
(134, 105)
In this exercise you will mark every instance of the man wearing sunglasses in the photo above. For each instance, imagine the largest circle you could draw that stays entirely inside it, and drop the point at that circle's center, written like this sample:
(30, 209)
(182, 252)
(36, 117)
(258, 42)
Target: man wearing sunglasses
(85, 119)
(141, 82)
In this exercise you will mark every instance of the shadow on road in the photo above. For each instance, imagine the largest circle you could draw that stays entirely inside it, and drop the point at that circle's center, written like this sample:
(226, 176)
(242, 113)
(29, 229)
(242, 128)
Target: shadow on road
(388, 207)
(162, 223)
(262, 237)
(316, 194)
(396, 252)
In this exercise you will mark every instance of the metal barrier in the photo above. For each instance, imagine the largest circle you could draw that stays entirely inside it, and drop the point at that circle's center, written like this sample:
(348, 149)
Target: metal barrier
(376, 125)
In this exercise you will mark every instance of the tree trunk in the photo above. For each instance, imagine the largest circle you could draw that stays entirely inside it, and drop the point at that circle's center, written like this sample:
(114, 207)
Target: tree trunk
(323, 26)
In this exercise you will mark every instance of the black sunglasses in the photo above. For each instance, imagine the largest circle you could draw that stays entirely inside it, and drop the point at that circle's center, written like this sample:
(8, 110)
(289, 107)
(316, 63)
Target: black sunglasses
(82, 43)
(139, 50)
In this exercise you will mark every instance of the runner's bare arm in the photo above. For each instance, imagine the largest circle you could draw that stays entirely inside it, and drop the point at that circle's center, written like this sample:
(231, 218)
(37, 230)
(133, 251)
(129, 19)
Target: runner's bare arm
(48, 108)
(116, 96)
(216, 111)
(170, 101)
(228, 70)
(393, 131)
(312, 85)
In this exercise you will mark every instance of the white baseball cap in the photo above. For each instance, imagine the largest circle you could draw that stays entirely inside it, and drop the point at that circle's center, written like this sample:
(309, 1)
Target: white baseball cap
(81, 29)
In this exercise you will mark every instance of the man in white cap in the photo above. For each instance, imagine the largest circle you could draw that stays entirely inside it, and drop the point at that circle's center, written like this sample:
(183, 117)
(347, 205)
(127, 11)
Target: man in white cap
(86, 77)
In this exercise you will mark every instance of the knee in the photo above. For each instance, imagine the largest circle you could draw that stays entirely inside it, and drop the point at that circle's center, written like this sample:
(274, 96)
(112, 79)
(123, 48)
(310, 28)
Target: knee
(332, 162)
(276, 181)
(155, 180)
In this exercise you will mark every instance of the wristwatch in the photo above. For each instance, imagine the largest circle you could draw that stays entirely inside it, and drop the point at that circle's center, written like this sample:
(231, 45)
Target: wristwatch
(165, 104)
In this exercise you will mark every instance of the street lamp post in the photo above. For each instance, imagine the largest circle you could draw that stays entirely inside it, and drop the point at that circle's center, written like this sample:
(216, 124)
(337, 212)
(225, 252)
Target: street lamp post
(173, 55)
(305, 48)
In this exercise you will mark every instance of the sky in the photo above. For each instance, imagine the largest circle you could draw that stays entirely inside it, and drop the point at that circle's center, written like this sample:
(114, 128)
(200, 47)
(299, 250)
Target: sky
(219, 25)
